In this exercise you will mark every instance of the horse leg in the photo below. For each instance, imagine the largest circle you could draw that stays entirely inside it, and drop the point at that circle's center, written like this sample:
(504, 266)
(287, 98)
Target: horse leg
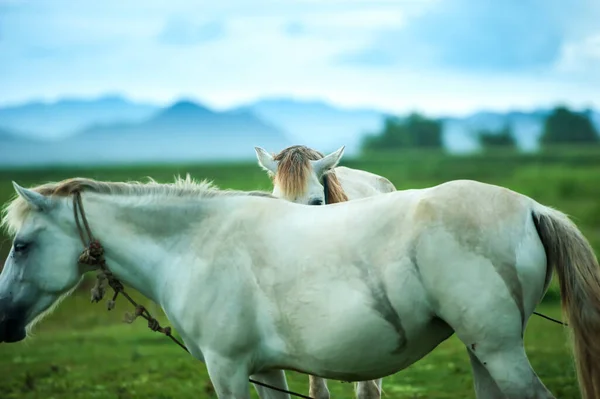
(510, 369)
(317, 388)
(368, 389)
(228, 376)
(485, 387)
(274, 378)
(497, 344)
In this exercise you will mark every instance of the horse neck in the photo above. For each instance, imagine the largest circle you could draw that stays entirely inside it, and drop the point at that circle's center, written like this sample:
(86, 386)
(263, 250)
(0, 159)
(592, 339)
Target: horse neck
(138, 238)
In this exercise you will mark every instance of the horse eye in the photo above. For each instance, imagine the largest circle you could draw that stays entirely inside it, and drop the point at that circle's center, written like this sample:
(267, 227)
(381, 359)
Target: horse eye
(20, 246)
(316, 202)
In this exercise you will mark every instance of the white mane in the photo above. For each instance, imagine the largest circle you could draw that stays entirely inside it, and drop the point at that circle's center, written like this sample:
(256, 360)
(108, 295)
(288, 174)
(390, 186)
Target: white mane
(15, 211)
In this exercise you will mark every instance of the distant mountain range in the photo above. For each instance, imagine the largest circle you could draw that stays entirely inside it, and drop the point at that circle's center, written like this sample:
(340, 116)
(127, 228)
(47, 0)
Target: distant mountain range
(66, 116)
(184, 131)
(112, 129)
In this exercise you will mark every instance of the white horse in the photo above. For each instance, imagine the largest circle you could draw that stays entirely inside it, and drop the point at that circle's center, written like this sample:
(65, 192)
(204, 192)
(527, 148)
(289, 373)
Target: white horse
(352, 291)
(303, 175)
(299, 174)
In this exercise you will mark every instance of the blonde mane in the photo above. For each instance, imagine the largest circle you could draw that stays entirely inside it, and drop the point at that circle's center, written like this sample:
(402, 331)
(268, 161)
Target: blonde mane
(15, 211)
(294, 167)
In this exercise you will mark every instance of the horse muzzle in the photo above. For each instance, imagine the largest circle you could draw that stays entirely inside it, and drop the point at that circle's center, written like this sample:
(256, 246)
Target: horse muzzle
(12, 325)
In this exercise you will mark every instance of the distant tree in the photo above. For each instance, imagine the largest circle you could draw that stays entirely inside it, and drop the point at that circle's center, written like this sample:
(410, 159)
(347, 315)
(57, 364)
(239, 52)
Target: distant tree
(415, 131)
(502, 138)
(564, 126)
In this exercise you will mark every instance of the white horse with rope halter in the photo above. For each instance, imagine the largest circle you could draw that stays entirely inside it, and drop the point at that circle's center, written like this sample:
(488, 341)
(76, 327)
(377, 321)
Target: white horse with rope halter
(245, 279)
(304, 176)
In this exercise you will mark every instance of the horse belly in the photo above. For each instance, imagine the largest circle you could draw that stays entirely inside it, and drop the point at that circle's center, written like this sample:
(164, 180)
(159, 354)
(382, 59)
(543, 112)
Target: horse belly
(359, 349)
(362, 345)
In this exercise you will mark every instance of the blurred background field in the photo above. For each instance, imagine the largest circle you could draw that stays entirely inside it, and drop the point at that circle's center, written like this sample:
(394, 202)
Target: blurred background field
(420, 92)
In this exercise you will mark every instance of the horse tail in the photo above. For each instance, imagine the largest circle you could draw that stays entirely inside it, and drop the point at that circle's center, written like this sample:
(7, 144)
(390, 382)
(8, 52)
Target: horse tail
(570, 254)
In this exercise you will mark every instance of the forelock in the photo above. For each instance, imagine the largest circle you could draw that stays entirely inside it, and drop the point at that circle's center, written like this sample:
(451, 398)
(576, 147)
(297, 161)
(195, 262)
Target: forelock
(293, 169)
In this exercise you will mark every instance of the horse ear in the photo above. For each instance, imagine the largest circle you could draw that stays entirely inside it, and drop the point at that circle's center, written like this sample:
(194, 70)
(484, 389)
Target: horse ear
(329, 162)
(36, 200)
(265, 160)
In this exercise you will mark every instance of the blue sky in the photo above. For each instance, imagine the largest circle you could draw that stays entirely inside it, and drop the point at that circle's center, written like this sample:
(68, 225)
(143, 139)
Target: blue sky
(436, 56)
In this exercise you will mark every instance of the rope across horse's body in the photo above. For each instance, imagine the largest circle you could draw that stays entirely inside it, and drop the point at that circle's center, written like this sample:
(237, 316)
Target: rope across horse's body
(93, 256)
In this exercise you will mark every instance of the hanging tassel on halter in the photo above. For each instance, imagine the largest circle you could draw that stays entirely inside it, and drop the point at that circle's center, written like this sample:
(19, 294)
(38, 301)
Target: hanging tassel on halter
(110, 304)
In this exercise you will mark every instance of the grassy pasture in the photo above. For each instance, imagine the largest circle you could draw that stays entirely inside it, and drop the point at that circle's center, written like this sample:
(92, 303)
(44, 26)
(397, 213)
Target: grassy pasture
(82, 351)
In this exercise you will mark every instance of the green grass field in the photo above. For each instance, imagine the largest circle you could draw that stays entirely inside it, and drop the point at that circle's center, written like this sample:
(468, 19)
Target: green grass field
(83, 351)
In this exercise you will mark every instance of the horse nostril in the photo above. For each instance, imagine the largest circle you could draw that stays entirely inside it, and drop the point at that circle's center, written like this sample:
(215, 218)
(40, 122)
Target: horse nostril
(316, 202)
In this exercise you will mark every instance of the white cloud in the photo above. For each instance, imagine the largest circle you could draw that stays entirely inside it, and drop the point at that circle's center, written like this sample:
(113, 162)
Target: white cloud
(581, 57)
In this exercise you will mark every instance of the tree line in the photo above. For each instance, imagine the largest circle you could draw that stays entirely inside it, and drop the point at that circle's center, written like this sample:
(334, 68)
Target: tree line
(562, 126)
